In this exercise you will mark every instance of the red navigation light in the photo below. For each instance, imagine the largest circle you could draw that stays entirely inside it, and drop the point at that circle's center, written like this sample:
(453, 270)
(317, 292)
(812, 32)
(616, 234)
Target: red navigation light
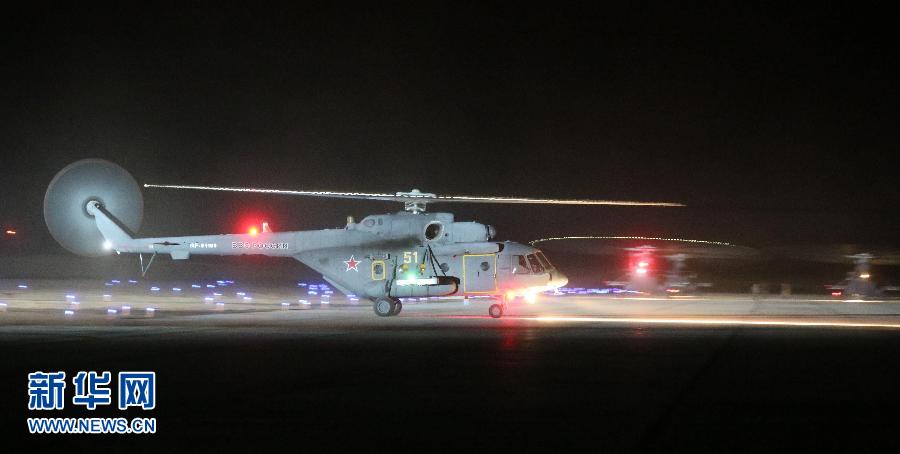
(253, 231)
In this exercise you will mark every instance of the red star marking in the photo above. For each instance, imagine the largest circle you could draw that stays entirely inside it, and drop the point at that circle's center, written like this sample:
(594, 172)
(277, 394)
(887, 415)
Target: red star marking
(352, 264)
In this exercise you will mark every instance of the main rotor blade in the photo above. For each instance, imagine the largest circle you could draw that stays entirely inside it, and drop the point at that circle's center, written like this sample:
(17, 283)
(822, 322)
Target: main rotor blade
(614, 245)
(418, 197)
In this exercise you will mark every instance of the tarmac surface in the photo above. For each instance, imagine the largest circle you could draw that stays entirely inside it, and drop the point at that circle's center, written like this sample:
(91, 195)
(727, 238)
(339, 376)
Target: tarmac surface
(306, 368)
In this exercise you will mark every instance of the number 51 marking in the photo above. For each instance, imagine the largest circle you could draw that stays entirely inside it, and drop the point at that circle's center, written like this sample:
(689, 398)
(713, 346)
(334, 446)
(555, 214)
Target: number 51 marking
(411, 257)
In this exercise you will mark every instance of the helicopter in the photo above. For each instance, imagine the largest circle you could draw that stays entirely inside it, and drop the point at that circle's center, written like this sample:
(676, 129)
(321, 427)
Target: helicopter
(858, 283)
(92, 207)
(644, 273)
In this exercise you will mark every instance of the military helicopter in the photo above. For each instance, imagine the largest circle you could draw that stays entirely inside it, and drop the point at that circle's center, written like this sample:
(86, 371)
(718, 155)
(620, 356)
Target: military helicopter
(858, 283)
(93, 206)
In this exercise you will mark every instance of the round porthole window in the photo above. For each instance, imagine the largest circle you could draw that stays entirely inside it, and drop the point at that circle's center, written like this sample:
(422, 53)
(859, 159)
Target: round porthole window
(433, 231)
(485, 266)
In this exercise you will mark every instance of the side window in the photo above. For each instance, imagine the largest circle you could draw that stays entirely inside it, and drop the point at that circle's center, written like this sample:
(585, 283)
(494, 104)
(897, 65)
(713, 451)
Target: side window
(535, 264)
(543, 259)
(520, 265)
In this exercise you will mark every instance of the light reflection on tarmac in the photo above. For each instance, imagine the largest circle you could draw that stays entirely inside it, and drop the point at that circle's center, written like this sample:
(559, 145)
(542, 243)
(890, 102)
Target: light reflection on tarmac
(79, 303)
(632, 374)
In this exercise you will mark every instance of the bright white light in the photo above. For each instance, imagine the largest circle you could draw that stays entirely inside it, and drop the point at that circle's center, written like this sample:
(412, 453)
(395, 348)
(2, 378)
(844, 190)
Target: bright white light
(641, 271)
(68, 312)
(107, 245)
(112, 311)
(150, 309)
(864, 275)
(530, 298)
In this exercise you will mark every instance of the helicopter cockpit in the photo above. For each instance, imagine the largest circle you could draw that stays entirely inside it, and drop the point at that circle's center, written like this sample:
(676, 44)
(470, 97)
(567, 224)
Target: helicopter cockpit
(533, 263)
(529, 270)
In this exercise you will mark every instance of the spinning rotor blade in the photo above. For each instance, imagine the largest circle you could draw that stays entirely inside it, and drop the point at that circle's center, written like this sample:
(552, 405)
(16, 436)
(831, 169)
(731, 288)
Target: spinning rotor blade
(90, 180)
(416, 199)
(610, 245)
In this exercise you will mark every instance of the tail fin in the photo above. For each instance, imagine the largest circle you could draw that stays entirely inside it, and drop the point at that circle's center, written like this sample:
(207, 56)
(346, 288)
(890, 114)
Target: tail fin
(110, 228)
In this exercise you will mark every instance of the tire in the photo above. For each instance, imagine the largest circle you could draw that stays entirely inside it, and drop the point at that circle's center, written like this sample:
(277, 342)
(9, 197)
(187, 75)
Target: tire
(496, 311)
(384, 307)
(398, 306)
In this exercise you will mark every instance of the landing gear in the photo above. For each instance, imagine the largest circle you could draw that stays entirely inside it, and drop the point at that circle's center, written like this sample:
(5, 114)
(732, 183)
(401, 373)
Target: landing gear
(386, 307)
(398, 306)
(496, 310)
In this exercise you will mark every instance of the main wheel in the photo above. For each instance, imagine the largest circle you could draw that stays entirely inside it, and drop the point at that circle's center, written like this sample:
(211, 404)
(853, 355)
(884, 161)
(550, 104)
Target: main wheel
(384, 307)
(398, 306)
(496, 310)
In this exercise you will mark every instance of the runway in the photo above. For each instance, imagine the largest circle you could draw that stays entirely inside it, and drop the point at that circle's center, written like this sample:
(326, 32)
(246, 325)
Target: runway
(287, 366)
(211, 303)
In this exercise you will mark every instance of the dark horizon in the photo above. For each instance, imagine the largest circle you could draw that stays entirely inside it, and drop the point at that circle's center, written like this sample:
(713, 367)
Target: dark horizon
(776, 126)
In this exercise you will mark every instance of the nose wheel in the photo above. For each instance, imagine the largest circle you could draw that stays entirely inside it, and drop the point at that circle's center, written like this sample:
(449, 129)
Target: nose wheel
(497, 310)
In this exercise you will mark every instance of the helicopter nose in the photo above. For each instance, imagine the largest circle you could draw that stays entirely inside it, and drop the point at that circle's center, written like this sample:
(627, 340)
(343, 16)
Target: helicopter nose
(558, 279)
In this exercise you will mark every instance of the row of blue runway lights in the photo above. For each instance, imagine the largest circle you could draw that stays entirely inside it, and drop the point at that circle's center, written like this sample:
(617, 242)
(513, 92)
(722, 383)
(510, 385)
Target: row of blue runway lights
(311, 290)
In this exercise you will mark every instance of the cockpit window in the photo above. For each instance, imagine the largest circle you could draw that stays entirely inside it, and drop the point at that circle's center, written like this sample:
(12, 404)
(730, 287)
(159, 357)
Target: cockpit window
(543, 259)
(535, 264)
(520, 265)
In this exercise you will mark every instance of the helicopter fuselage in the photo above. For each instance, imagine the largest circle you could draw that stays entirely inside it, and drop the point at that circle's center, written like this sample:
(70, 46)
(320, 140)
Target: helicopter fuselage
(382, 256)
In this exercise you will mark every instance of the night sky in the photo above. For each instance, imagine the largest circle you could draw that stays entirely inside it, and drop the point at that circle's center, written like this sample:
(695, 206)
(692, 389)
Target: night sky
(774, 125)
